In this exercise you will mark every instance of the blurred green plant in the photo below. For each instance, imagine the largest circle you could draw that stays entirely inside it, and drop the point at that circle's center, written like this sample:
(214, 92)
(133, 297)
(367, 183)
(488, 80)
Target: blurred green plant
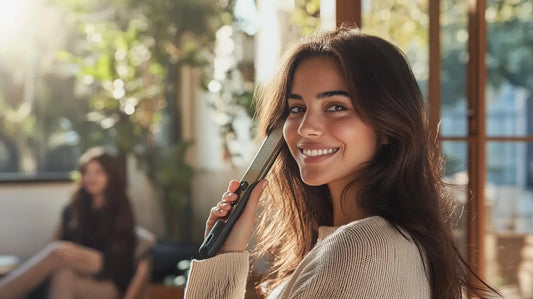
(171, 172)
(405, 23)
(15, 121)
(234, 96)
(510, 43)
(234, 89)
(123, 84)
(306, 16)
(509, 46)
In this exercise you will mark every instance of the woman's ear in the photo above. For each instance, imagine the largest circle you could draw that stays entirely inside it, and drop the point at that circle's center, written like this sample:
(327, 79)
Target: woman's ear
(384, 140)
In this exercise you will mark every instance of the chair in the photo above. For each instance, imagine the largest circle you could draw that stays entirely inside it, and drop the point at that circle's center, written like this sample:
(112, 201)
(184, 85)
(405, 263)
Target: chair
(138, 288)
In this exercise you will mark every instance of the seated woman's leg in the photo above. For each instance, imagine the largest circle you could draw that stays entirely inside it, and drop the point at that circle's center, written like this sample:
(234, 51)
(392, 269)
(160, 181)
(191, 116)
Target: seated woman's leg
(62, 284)
(55, 256)
(29, 275)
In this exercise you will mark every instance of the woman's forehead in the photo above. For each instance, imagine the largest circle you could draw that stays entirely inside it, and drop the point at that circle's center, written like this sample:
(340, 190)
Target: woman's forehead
(318, 74)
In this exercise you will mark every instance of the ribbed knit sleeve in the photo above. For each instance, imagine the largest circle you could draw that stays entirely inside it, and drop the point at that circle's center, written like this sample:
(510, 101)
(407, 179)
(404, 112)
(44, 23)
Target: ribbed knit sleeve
(222, 276)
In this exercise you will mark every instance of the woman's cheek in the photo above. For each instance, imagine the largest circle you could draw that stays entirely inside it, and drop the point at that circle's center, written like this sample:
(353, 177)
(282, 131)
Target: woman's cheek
(290, 134)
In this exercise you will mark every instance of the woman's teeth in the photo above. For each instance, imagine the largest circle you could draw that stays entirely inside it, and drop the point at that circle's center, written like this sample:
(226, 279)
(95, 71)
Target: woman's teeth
(319, 152)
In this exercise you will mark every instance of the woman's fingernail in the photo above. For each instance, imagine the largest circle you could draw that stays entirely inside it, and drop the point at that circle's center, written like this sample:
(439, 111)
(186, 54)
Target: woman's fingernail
(223, 204)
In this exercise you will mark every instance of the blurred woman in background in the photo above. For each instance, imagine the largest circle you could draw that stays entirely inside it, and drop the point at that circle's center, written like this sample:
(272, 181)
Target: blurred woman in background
(92, 255)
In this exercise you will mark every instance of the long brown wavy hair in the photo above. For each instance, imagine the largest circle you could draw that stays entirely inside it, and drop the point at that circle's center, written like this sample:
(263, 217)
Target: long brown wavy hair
(401, 183)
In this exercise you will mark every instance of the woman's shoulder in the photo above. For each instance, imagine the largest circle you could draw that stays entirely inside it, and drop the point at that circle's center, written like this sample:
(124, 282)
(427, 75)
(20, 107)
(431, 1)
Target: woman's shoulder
(371, 236)
(377, 248)
(371, 257)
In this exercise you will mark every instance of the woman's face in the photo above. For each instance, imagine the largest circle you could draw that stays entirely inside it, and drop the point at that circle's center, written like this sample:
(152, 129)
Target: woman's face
(323, 132)
(94, 178)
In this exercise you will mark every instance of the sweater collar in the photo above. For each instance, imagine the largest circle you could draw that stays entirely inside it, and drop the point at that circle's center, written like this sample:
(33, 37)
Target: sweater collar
(326, 231)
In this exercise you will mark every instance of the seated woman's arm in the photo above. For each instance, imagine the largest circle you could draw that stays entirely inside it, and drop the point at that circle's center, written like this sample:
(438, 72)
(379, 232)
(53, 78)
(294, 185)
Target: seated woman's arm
(139, 283)
(78, 258)
(70, 255)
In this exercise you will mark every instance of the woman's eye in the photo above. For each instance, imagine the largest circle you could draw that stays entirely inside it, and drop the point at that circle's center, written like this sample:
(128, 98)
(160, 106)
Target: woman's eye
(337, 107)
(296, 109)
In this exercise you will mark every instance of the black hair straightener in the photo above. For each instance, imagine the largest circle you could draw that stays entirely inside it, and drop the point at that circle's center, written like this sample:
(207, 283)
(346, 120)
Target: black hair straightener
(256, 171)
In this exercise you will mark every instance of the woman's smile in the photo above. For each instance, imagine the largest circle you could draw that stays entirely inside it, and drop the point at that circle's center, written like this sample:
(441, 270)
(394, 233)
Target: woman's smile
(316, 153)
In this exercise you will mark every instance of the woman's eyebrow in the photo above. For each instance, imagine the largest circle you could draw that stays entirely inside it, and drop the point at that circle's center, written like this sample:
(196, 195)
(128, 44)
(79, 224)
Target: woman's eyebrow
(294, 96)
(325, 94)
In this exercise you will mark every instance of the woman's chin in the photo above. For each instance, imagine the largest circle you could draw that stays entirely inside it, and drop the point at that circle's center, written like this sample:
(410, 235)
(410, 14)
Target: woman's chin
(93, 192)
(311, 181)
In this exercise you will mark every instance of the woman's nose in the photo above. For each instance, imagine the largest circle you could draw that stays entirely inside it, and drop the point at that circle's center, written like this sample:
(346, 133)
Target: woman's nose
(311, 125)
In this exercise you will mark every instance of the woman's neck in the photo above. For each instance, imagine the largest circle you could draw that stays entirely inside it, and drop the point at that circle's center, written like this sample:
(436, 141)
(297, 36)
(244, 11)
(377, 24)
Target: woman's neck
(344, 211)
(98, 201)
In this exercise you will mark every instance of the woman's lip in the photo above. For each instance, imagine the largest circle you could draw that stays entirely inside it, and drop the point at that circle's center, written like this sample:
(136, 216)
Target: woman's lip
(310, 146)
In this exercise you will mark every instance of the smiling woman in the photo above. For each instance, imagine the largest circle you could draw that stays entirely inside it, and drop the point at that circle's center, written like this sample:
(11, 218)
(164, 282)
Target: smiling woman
(92, 253)
(355, 207)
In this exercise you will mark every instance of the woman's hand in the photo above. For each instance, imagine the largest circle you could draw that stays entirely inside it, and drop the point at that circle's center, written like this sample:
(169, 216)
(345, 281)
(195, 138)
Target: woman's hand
(69, 255)
(242, 230)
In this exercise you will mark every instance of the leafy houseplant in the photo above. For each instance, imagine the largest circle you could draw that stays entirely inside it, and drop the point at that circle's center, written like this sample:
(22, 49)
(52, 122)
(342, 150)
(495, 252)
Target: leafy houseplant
(171, 176)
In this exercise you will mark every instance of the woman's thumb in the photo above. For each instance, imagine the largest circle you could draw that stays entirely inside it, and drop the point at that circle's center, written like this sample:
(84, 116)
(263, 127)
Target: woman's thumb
(254, 198)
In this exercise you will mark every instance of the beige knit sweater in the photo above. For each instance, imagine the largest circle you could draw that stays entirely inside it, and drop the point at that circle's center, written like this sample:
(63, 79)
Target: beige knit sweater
(368, 258)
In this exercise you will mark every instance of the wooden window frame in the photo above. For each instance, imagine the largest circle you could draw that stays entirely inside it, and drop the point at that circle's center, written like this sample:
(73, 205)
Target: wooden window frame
(348, 11)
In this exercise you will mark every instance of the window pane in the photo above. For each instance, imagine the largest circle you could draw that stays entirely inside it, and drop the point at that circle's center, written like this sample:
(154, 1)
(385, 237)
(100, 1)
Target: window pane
(455, 175)
(37, 136)
(509, 67)
(509, 198)
(454, 39)
(406, 25)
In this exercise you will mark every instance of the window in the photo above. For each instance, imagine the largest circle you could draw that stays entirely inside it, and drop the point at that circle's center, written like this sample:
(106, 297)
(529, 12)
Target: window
(37, 102)
(485, 109)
